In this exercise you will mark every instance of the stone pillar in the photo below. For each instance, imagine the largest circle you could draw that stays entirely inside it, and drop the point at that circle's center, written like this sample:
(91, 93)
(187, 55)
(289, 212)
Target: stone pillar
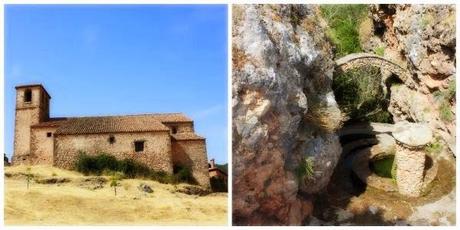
(410, 159)
(410, 165)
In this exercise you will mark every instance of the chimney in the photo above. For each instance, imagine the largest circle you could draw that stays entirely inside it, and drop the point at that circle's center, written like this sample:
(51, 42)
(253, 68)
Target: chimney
(213, 163)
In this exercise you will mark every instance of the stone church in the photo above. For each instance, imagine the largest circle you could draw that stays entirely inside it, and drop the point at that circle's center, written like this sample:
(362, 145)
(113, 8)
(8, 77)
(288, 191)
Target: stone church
(160, 141)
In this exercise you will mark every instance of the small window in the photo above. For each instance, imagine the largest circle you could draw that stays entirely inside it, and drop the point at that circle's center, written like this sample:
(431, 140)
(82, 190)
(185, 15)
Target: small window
(28, 95)
(139, 146)
(49, 134)
(174, 130)
(111, 139)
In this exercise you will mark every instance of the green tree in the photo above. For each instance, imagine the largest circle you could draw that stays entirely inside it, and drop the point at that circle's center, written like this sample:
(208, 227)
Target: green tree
(115, 181)
(29, 177)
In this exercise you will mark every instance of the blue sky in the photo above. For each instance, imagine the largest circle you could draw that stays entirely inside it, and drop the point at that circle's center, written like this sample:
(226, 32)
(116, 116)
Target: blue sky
(122, 59)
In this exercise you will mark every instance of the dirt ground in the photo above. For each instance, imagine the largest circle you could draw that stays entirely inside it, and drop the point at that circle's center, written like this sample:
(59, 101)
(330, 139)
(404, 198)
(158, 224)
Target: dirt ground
(75, 203)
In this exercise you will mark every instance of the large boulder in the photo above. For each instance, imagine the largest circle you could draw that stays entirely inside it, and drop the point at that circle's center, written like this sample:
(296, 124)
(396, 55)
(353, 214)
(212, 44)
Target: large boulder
(284, 112)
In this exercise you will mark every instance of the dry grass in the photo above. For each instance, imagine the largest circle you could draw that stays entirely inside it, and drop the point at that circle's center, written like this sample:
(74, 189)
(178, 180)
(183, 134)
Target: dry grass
(71, 204)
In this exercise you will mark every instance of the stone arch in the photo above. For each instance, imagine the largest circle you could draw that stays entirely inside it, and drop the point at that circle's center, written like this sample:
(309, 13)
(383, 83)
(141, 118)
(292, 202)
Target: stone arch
(357, 60)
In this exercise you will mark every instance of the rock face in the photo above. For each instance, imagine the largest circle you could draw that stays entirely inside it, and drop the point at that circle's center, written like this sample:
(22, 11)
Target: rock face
(421, 38)
(284, 112)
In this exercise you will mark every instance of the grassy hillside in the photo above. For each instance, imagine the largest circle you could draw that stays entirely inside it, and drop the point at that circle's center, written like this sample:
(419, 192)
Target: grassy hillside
(65, 197)
(343, 21)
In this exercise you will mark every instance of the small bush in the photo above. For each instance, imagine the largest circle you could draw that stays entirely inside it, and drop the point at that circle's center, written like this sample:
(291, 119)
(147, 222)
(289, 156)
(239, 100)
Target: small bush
(97, 164)
(360, 95)
(104, 164)
(184, 174)
(133, 169)
(115, 181)
(445, 112)
(393, 171)
(380, 51)
(451, 90)
(29, 177)
(305, 169)
(434, 148)
(443, 99)
(218, 184)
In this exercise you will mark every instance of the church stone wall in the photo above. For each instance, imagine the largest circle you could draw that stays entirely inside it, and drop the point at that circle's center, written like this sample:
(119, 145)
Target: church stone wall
(192, 154)
(156, 155)
(42, 146)
(181, 127)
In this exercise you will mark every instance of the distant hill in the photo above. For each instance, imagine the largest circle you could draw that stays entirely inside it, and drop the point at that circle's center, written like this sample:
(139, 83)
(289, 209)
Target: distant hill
(223, 167)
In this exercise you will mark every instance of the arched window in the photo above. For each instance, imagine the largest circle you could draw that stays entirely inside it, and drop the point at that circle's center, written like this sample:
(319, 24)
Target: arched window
(28, 95)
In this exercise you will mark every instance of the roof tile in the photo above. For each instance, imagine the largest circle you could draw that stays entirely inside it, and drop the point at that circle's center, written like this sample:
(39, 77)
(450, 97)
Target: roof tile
(186, 136)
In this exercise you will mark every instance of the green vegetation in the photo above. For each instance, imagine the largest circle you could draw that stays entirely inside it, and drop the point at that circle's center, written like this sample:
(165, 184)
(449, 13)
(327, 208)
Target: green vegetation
(443, 98)
(426, 20)
(445, 112)
(183, 174)
(104, 164)
(380, 51)
(434, 148)
(385, 167)
(223, 167)
(360, 95)
(218, 184)
(393, 171)
(29, 177)
(305, 169)
(344, 21)
(114, 181)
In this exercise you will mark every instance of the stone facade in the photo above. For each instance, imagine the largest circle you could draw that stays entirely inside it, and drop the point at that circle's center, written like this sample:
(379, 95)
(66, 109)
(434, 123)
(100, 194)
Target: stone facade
(29, 111)
(160, 141)
(183, 155)
(42, 145)
(157, 148)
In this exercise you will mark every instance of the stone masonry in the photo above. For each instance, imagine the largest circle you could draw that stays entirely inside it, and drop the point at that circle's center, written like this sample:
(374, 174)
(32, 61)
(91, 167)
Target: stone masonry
(160, 141)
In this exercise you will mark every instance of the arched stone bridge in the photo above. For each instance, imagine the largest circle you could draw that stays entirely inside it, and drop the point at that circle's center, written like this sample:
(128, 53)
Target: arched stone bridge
(357, 60)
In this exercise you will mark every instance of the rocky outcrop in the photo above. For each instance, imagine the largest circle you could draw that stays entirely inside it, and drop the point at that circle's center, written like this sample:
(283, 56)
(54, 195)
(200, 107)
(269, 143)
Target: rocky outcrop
(284, 112)
(422, 39)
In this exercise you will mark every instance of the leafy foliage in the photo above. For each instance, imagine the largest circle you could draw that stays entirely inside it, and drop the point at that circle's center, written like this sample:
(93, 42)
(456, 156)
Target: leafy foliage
(434, 148)
(223, 167)
(183, 174)
(105, 164)
(360, 95)
(218, 184)
(114, 181)
(380, 51)
(305, 169)
(443, 98)
(29, 177)
(344, 21)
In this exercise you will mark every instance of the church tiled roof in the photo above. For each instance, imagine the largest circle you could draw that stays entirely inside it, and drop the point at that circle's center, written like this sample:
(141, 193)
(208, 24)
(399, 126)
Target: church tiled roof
(114, 124)
(52, 122)
(186, 136)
